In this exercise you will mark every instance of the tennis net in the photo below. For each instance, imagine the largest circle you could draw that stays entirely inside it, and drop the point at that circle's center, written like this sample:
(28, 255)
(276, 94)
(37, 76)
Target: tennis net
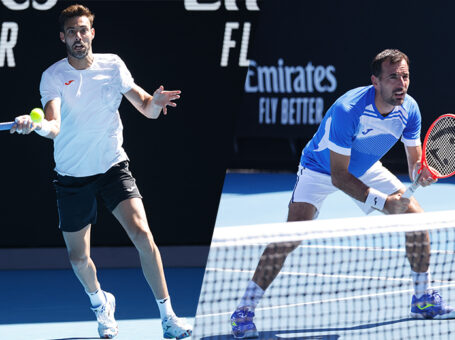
(348, 278)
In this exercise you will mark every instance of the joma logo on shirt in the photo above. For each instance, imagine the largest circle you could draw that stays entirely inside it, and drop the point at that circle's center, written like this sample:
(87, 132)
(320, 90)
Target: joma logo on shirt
(69, 82)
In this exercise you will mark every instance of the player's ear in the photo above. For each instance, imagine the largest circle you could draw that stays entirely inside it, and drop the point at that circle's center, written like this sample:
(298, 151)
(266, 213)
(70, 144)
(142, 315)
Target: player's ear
(93, 33)
(62, 37)
(374, 80)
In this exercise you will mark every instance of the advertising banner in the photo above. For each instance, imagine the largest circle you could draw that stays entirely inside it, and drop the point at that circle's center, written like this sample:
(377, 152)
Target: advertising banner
(305, 54)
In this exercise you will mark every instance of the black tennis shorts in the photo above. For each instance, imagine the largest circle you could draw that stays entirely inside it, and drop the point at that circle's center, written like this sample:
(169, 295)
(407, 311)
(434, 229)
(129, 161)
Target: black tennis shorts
(77, 196)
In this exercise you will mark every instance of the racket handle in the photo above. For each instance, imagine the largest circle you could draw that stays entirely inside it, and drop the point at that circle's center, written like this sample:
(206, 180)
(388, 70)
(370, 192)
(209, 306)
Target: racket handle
(6, 126)
(412, 188)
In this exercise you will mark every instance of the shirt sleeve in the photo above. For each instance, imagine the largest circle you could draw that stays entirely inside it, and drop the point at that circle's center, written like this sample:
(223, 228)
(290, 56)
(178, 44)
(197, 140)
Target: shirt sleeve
(49, 88)
(411, 133)
(126, 79)
(342, 129)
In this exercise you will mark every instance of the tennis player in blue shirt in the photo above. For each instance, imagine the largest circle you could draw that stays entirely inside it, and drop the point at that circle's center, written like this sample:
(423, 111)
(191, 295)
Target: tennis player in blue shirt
(344, 154)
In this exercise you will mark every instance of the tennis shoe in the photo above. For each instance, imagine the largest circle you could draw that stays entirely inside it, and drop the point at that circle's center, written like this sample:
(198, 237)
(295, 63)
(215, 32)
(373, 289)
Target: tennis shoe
(107, 326)
(175, 328)
(242, 324)
(431, 306)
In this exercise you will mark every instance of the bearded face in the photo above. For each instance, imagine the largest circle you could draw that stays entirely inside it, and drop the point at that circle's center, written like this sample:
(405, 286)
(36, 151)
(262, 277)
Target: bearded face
(78, 36)
(391, 85)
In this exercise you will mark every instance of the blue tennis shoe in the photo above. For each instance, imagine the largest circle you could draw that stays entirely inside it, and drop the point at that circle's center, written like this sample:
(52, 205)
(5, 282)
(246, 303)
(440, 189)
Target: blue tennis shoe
(431, 306)
(242, 324)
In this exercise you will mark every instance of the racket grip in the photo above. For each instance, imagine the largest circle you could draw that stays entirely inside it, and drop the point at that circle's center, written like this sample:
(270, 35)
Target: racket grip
(412, 188)
(6, 126)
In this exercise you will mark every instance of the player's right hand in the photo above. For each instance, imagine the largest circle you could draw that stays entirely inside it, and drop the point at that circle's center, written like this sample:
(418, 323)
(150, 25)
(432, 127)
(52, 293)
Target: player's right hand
(23, 125)
(396, 204)
(426, 177)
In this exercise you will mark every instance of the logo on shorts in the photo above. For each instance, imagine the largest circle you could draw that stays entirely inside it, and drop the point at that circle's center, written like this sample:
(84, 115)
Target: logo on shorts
(69, 82)
(130, 189)
(366, 131)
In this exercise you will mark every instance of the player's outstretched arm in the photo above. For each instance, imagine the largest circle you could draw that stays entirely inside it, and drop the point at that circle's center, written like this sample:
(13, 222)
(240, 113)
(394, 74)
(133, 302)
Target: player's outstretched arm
(49, 127)
(151, 106)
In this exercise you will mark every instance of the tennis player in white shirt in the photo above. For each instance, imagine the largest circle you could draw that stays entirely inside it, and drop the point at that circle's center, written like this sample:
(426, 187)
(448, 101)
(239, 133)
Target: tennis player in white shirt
(81, 95)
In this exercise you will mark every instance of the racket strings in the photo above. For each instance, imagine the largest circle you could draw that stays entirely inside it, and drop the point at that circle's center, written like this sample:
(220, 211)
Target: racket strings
(440, 146)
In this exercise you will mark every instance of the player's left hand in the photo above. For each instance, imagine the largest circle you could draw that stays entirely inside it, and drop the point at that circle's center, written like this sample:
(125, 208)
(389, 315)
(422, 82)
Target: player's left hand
(426, 178)
(163, 98)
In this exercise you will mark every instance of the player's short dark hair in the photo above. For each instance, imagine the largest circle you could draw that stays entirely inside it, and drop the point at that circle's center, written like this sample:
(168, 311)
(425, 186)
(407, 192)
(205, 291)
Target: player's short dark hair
(395, 56)
(72, 11)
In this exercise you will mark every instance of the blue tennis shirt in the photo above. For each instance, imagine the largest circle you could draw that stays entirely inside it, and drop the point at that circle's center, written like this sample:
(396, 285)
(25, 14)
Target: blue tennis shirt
(354, 127)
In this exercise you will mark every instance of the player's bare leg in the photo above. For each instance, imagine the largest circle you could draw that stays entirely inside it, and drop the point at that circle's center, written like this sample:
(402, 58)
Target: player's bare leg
(131, 214)
(426, 303)
(269, 266)
(275, 254)
(78, 246)
(103, 303)
(418, 244)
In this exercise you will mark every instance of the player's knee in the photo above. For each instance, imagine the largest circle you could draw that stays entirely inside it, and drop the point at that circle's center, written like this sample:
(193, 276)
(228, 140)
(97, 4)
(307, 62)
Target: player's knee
(143, 240)
(277, 252)
(139, 224)
(414, 206)
(78, 260)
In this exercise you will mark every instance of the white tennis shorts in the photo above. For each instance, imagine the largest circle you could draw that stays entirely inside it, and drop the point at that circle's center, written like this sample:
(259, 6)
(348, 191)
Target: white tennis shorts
(313, 187)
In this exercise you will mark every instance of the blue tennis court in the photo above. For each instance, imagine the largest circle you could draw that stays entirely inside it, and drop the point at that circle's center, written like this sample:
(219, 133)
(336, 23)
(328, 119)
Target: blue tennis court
(51, 304)
(337, 275)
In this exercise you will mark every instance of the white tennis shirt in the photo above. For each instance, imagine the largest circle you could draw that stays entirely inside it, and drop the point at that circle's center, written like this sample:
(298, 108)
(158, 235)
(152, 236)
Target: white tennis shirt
(90, 139)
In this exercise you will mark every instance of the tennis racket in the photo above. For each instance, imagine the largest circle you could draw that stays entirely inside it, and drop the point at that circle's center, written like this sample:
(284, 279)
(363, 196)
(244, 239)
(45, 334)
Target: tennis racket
(438, 151)
(6, 126)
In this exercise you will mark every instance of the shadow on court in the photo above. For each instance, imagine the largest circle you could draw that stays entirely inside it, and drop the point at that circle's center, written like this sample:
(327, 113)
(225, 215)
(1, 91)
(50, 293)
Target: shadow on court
(273, 335)
(359, 327)
(300, 334)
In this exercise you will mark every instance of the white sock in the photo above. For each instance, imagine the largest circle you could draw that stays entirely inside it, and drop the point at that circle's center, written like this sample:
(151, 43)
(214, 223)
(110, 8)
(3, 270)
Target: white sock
(97, 298)
(165, 307)
(421, 282)
(252, 296)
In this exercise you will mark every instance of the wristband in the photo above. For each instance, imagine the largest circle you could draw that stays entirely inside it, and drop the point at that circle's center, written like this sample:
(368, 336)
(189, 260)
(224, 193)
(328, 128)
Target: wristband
(376, 199)
(45, 128)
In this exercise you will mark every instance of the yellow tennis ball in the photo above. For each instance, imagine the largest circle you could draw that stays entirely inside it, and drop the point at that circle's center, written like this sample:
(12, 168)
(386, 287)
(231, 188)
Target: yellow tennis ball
(37, 115)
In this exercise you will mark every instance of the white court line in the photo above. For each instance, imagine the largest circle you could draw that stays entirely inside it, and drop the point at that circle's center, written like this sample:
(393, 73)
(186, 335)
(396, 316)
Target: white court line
(391, 250)
(338, 276)
(351, 277)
